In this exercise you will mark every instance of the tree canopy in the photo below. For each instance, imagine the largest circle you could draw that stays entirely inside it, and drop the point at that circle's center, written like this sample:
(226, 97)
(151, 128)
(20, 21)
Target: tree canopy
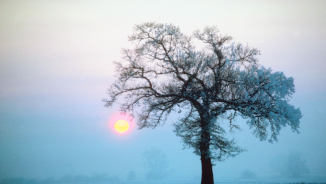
(165, 72)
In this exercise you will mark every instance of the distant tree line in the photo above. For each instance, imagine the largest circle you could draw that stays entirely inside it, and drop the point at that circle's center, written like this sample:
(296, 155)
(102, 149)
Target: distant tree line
(68, 178)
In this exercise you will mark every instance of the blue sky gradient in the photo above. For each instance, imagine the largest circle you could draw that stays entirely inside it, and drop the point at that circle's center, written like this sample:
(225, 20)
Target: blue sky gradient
(56, 62)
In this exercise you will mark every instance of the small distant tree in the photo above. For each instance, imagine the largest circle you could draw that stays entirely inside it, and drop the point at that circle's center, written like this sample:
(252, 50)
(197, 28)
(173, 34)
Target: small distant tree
(246, 174)
(131, 175)
(291, 165)
(157, 164)
(100, 177)
(165, 73)
(295, 166)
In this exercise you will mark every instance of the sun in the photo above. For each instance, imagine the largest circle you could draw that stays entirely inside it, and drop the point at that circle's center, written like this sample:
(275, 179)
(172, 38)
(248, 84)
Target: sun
(121, 126)
(121, 123)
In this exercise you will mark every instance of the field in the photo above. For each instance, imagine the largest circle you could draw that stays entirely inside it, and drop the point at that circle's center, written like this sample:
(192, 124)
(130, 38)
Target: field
(266, 180)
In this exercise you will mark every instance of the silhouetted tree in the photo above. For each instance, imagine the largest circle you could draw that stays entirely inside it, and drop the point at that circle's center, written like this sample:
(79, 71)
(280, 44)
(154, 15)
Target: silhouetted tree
(100, 177)
(164, 72)
(50, 180)
(157, 164)
(295, 166)
(291, 165)
(246, 174)
(131, 175)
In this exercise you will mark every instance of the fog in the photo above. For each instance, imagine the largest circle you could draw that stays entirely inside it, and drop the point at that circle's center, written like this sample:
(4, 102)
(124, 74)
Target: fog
(56, 63)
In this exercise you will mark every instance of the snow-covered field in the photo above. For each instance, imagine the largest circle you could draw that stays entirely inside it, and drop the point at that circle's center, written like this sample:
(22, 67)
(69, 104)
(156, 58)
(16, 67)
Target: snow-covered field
(269, 180)
(196, 182)
(257, 181)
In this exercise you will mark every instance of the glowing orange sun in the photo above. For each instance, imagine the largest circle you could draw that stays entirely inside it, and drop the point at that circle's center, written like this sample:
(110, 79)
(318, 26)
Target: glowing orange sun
(121, 126)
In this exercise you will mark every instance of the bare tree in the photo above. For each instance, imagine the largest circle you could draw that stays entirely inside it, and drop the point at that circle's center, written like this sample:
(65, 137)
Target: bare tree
(157, 164)
(131, 175)
(247, 174)
(291, 165)
(165, 73)
(295, 166)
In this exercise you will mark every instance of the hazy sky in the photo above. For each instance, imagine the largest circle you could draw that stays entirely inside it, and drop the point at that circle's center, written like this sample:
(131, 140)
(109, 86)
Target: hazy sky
(56, 62)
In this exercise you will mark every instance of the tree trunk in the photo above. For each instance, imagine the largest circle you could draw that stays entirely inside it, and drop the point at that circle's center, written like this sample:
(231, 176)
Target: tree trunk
(206, 162)
(207, 170)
